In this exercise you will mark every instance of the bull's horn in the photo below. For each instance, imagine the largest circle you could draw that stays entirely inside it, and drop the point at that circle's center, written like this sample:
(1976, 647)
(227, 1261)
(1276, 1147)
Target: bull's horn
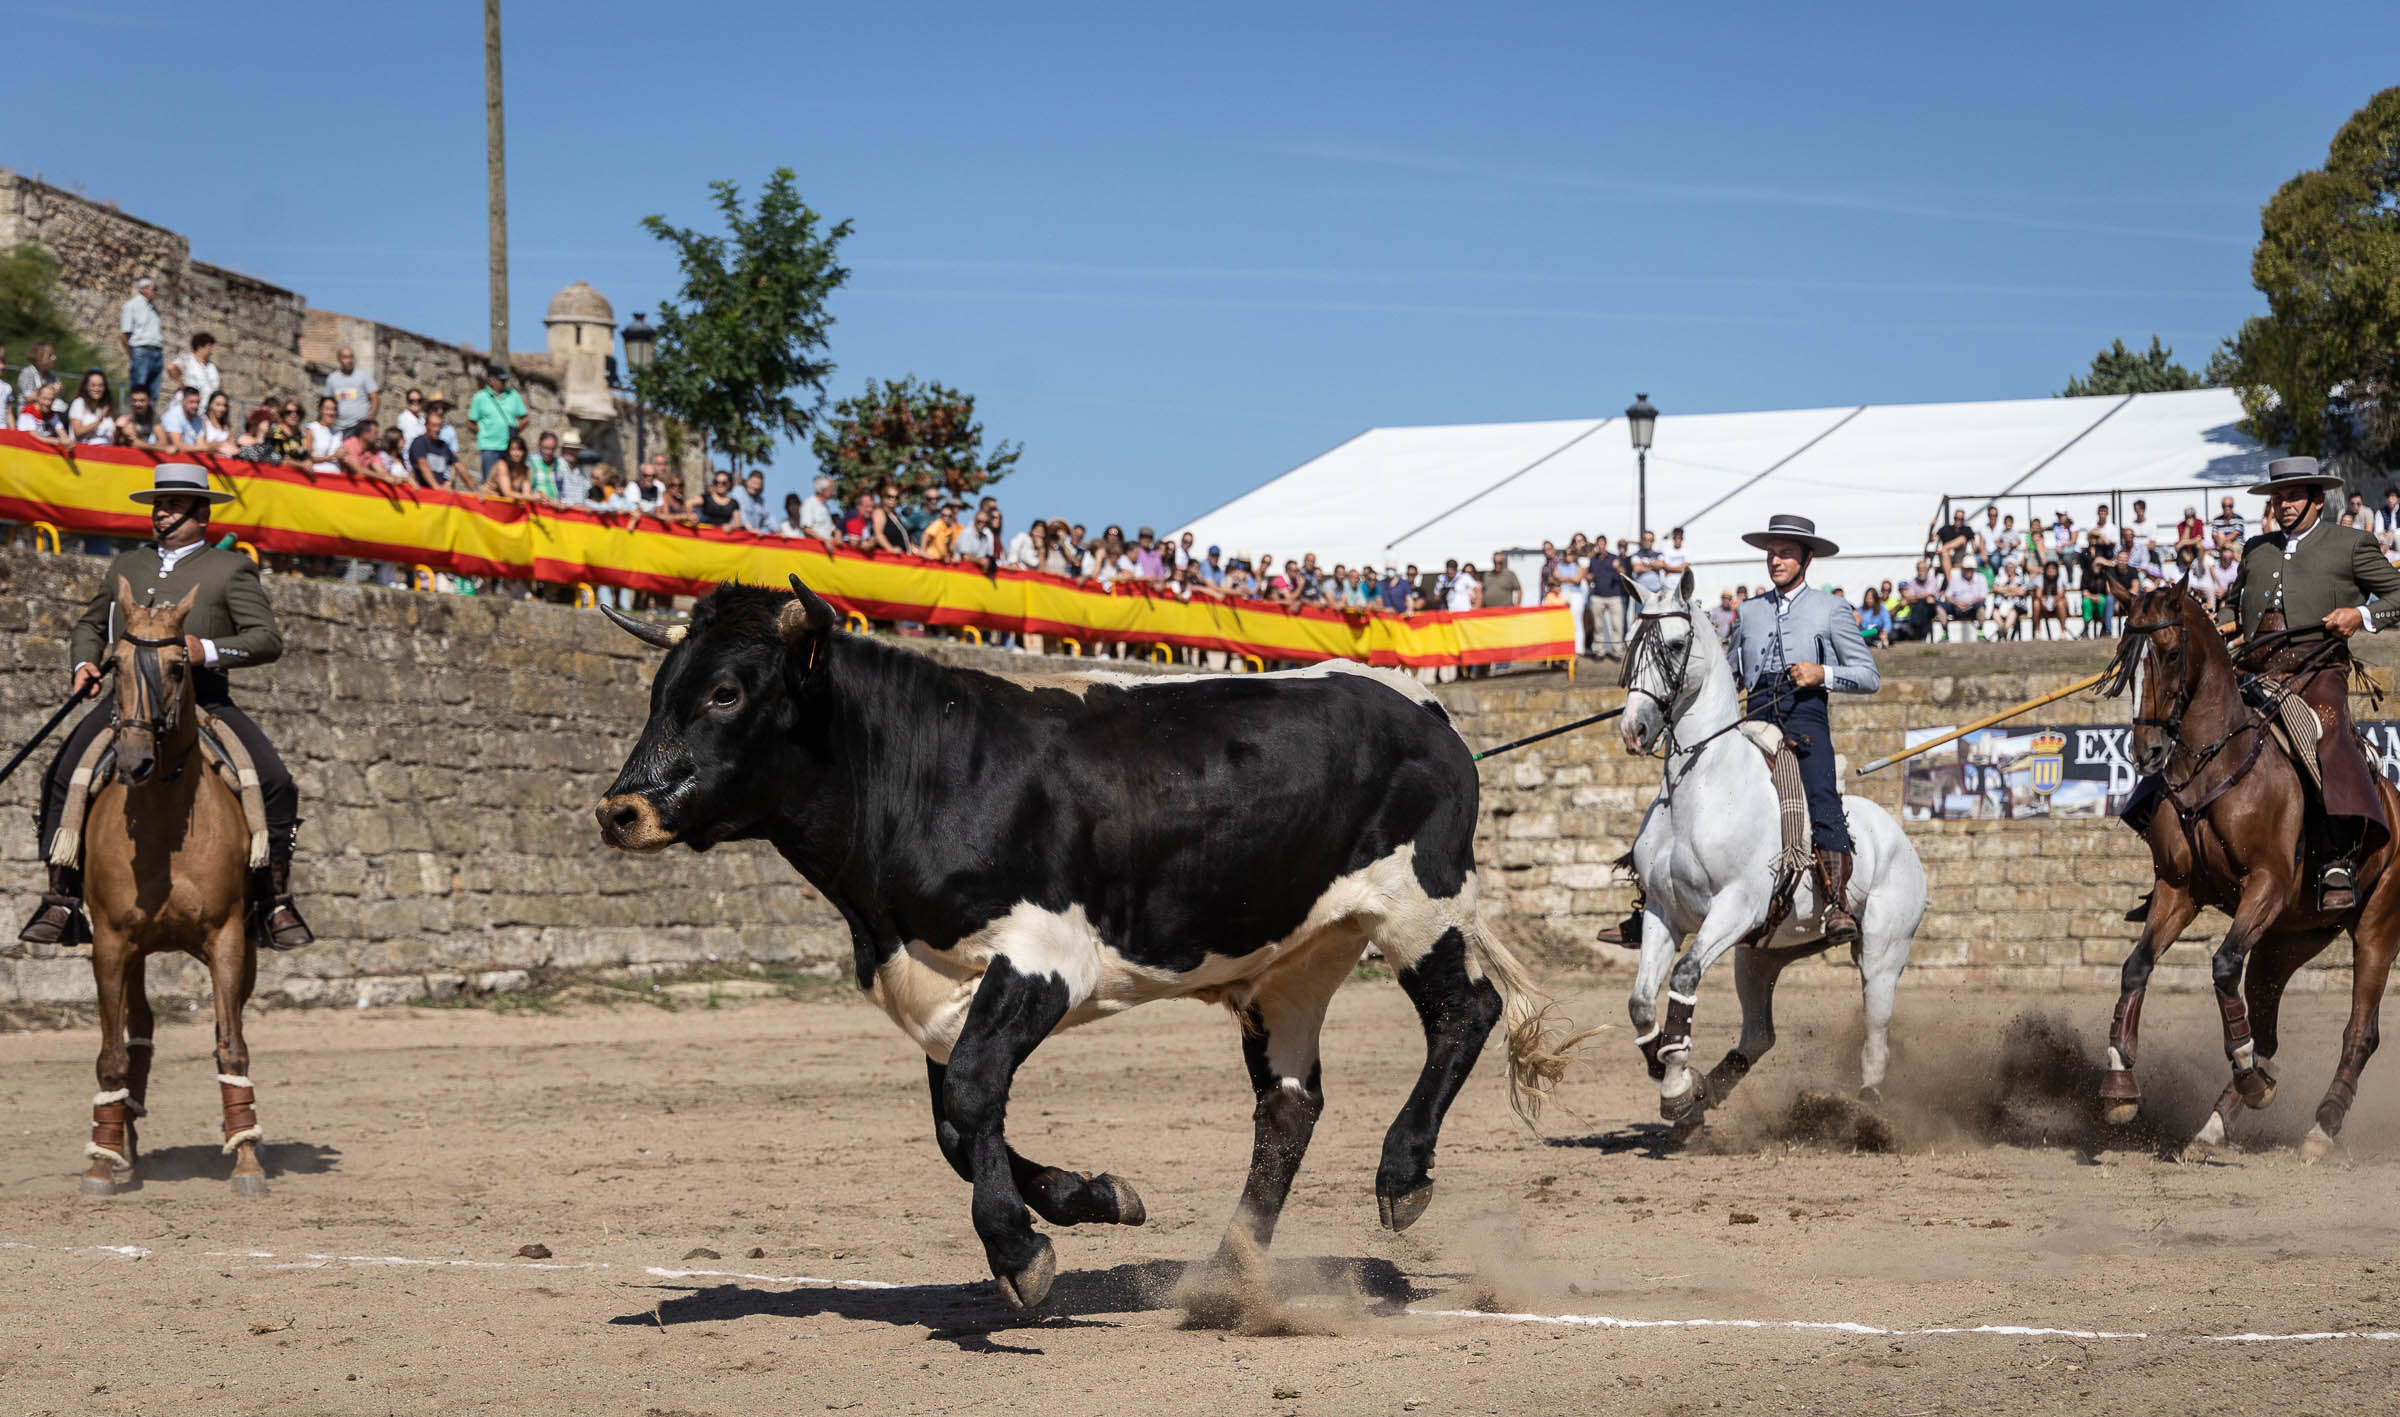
(662, 636)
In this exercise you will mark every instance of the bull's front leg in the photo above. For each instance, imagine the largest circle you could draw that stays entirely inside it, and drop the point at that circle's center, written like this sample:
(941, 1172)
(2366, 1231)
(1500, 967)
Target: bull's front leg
(1011, 1014)
(1057, 1195)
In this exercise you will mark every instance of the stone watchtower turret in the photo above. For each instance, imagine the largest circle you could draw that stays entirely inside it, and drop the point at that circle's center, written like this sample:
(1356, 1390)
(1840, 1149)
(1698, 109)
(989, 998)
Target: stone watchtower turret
(583, 333)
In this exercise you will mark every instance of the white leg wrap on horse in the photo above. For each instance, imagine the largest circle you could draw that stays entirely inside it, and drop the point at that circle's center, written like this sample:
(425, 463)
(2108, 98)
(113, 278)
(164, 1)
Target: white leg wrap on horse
(231, 1081)
(2245, 1057)
(102, 1099)
(1691, 999)
(1644, 1038)
(2116, 1060)
(245, 1134)
(94, 1151)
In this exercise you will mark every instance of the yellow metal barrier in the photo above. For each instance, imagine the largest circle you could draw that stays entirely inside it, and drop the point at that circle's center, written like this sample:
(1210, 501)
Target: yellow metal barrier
(856, 623)
(247, 550)
(1257, 665)
(971, 634)
(586, 598)
(421, 578)
(1162, 653)
(1074, 645)
(41, 529)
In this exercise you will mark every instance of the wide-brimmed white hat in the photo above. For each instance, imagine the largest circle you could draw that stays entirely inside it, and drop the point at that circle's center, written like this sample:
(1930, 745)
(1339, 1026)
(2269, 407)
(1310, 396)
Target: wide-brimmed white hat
(1783, 526)
(179, 479)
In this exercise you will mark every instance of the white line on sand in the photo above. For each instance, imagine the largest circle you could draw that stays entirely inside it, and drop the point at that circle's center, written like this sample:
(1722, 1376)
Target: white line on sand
(1595, 1321)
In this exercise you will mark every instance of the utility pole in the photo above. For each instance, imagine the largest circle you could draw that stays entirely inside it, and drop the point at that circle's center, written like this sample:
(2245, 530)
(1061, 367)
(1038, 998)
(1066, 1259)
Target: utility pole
(495, 157)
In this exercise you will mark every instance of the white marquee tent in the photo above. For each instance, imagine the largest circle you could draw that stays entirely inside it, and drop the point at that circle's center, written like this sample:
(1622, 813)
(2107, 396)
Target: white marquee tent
(1874, 478)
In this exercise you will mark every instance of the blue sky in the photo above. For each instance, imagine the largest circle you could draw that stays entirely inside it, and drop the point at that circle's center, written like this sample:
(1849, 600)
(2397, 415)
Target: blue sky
(1176, 251)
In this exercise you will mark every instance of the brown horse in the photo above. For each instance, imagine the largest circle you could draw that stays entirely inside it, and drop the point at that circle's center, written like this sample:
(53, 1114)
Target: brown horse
(2229, 829)
(166, 868)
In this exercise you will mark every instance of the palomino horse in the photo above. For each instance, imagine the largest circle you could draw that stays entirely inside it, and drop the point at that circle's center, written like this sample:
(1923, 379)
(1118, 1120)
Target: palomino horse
(2228, 832)
(166, 867)
(1706, 858)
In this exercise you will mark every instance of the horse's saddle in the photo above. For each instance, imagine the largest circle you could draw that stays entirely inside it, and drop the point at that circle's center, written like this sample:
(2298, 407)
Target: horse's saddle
(2291, 721)
(220, 749)
(1791, 799)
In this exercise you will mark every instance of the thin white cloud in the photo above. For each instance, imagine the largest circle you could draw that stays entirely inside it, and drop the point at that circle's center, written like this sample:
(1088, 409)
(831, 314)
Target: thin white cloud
(1739, 195)
(1131, 299)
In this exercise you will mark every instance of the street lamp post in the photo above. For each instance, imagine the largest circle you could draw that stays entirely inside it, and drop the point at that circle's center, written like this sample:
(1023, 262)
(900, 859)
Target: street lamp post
(1640, 420)
(640, 339)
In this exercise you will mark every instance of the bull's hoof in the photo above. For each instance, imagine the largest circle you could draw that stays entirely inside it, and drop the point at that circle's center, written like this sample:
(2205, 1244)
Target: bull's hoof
(1400, 1212)
(1129, 1201)
(2316, 1146)
(98, 1186)
(249, 1185)
(1030, 1285)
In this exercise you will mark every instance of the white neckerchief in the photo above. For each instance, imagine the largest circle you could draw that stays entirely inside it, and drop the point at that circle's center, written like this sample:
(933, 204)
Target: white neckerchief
(2291, 543)
(169, 560)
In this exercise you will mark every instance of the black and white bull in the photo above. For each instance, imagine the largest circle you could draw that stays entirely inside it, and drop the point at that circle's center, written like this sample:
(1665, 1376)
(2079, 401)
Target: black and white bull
(1020, 854)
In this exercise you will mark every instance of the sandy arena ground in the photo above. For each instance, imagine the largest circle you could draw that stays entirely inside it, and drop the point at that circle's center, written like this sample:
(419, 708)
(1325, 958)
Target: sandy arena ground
(415, 1152)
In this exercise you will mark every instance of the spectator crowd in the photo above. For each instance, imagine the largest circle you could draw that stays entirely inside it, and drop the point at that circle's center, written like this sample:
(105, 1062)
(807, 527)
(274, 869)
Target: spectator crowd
(1983, 577)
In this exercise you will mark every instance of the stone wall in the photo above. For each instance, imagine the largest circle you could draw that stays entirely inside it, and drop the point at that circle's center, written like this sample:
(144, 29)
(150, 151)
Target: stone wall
(448, 750)
(269, 343)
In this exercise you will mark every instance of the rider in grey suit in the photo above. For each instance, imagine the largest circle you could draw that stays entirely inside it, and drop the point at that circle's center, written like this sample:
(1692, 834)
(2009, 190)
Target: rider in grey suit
(1792, 645)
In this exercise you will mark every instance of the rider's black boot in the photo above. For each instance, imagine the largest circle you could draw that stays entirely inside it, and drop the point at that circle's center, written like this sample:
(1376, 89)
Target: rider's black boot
(278, 922)
(59, 920)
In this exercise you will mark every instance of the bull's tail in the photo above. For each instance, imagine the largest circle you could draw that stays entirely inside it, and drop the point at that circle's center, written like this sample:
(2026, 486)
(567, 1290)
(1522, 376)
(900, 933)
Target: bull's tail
(1540, 1041)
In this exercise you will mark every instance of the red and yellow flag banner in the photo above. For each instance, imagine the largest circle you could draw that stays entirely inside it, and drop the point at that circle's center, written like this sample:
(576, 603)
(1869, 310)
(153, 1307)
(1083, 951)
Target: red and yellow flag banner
(291, 509)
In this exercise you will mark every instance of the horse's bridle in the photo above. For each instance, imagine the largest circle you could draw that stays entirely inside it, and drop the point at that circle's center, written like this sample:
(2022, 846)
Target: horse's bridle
(162, 711)
(1648, 645)
(2139, 642)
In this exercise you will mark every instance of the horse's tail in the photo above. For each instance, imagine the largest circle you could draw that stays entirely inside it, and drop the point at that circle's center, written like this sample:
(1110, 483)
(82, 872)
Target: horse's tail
(1540, 1042)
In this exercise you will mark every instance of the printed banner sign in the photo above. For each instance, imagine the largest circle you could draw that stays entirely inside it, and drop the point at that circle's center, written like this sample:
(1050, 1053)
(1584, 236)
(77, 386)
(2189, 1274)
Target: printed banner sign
(2061, 770)
(290, 509)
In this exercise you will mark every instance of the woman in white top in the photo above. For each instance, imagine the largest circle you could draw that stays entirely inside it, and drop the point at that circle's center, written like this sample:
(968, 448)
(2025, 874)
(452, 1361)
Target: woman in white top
(216, 423)
(1030, 548)
(324, 440)
(92, 418)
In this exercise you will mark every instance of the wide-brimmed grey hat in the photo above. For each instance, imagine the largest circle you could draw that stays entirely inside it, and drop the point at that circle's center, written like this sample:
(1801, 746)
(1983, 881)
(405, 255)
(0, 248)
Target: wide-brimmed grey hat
(179, 479)
(2286, 473)
(1785, 527)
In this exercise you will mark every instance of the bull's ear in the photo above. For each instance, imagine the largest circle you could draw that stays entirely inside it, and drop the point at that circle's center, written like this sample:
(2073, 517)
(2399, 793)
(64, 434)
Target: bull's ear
(806, 625)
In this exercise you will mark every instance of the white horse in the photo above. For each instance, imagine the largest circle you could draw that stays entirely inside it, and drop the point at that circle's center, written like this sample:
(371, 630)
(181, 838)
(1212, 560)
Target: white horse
(1706, 858)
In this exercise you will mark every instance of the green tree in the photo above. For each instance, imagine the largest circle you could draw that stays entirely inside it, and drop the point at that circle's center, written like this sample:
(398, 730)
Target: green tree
(2319, 373)
(29, 312)
(2118, 370)
(923, 436)
(748, 329)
